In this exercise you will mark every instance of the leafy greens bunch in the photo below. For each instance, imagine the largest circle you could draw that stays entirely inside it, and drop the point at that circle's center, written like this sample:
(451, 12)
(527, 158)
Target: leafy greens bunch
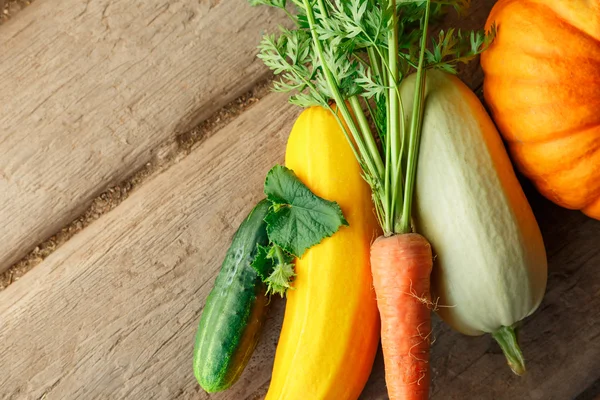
(351, 56)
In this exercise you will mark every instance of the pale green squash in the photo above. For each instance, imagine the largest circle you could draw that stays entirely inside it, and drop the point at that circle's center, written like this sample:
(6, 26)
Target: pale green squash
(490, 267)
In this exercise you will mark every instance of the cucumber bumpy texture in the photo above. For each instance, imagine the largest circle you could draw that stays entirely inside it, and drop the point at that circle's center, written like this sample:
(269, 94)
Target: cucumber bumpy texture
(235, 309)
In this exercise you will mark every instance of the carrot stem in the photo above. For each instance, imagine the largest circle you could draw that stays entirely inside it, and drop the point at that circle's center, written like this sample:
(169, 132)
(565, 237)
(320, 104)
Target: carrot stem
(403, 224)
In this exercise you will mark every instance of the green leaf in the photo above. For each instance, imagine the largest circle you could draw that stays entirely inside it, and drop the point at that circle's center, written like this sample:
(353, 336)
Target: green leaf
(370, 85)
(271, 3)
(298, 219)
(275, 268)
(380, 118)
(263, 264)
(280, 279)
(289, 55)
(453, 47)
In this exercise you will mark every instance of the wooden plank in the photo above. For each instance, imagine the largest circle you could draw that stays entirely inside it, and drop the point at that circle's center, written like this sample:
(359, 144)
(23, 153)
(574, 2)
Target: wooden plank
(92, 91)
(113, 313)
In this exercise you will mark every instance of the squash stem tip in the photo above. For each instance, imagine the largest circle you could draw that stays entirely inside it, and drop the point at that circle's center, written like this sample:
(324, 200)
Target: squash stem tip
(507, 339)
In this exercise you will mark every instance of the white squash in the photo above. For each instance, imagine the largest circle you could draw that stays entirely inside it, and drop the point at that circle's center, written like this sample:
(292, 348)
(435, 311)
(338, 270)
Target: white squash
(490, 268)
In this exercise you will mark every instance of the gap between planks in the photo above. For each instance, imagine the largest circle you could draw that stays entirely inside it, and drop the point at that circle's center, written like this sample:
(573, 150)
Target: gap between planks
(115, 195)
(112, 82)
(42, 215)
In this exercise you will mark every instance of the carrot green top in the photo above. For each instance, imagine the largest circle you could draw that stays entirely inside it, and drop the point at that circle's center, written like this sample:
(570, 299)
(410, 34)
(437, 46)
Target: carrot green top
(356, 53)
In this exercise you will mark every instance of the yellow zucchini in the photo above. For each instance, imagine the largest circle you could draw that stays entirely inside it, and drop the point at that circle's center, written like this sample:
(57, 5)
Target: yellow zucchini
(331, 325)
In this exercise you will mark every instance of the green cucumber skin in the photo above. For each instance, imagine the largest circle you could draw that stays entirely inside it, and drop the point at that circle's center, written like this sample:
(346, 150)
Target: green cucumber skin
(235, 309)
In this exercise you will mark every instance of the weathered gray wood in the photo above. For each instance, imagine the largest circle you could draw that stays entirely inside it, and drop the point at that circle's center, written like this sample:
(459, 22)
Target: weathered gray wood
(113, 313)
(91, 91)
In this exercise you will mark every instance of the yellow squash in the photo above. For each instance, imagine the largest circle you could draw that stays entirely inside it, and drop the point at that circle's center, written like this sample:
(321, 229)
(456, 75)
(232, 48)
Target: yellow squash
(331, 325)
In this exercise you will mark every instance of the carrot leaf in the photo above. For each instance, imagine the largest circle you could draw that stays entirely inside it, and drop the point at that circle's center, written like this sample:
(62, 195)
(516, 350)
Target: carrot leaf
(348, 55)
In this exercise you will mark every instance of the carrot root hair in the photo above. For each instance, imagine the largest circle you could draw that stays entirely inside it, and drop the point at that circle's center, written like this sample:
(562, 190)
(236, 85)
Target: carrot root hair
(433, 305)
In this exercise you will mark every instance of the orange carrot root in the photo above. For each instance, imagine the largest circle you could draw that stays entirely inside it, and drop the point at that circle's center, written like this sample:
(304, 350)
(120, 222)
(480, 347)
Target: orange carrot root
(401, 267)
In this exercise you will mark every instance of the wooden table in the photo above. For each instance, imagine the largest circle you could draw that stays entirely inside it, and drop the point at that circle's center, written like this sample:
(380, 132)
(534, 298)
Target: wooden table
(145, 127)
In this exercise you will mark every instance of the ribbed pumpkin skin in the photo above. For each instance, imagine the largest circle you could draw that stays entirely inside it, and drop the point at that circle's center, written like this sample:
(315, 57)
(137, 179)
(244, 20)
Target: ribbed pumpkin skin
(331, 325)
(542, 84)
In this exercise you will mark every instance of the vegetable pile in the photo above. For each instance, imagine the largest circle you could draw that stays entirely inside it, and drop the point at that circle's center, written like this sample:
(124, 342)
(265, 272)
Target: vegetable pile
(258, 262)
(396, 180)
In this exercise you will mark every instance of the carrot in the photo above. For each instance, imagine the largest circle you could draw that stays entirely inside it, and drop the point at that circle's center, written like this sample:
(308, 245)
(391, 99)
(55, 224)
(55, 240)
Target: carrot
(401, 265)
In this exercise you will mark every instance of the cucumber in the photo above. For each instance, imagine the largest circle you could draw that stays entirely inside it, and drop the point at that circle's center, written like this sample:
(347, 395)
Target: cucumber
(235, 309)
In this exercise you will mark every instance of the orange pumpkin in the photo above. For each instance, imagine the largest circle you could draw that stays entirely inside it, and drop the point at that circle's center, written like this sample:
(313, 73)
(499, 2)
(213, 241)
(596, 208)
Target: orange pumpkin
(542, 84)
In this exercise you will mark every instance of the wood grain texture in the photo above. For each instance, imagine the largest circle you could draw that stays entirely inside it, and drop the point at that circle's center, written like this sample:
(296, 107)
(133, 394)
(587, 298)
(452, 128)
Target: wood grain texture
(113, 313)
(92, 91)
